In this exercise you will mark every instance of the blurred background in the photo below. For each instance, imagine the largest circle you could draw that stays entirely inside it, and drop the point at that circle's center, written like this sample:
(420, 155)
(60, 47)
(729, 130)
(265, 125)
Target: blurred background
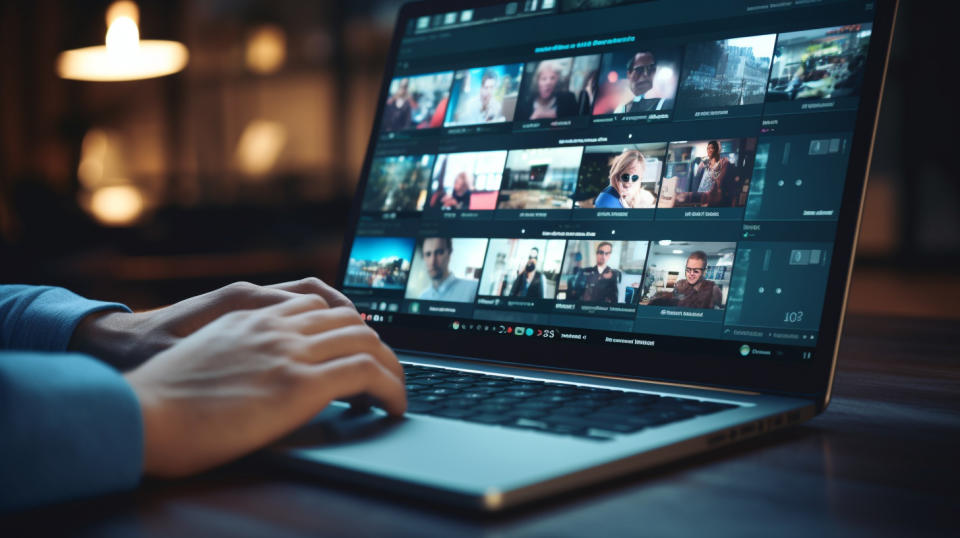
(242, 166)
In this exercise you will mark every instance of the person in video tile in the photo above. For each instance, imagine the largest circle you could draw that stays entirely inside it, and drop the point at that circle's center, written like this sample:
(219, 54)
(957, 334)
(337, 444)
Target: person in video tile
(547, 100)
(444, 286)
(693, 291)
(711, 176)
(529, 281)
(485, 107)
(460, 197)
(399, 110)
(641, 70)
(598, 284)
(624, 191)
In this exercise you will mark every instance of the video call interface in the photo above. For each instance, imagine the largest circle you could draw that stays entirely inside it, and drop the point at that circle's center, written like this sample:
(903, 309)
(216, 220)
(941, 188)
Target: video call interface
(630, 189)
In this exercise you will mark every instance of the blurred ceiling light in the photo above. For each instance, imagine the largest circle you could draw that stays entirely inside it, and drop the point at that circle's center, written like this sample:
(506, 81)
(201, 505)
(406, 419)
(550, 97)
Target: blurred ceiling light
(124, 56)
(260, 146)
(123, 8)
(266, 49)
(118, 205)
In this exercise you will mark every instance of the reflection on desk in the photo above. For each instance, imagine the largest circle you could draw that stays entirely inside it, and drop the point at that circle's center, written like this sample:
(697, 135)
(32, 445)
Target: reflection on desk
(881, 461)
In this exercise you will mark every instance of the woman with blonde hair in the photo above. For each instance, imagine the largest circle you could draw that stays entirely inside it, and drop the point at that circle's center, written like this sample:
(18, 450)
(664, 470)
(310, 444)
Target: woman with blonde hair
(547, 97)
(624, 191)
(460, 197)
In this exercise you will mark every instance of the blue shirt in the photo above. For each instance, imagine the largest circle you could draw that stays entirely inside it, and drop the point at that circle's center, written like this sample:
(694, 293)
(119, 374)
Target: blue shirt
(608, 198)
(70, 426)
(452, 289)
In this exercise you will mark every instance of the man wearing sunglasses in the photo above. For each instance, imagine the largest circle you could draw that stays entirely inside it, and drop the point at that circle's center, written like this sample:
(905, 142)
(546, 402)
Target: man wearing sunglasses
(598, 284)
(641, 70)
(694, 291)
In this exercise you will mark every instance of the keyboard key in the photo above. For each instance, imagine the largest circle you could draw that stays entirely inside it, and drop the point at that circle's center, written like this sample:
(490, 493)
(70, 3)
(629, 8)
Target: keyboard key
(588, 412)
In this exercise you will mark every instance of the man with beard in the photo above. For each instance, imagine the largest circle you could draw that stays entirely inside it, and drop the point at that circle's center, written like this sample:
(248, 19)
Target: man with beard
(443, 285)
(529, 281)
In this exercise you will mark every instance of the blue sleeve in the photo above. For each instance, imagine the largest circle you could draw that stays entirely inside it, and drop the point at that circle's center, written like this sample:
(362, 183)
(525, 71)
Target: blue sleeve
(43, 318)
(607, 200)
(70, 427)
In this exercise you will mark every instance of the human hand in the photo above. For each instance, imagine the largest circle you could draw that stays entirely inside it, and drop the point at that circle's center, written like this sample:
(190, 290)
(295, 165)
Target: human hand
(251, 376)
(126, 340)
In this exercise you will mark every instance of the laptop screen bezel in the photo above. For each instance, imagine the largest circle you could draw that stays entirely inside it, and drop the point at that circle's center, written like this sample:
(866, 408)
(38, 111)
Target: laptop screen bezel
(808, 378)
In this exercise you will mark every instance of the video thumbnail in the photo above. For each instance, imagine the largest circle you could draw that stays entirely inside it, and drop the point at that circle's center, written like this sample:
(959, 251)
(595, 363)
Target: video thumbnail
(467, 180)
(526, 268)
(379, 262)
(417, 102)
(558, 88)
(819, 64)
(637, 81)
(540, 178)
(398, 183)
(608, 272)
(688, 274)
(710, 173)
(446, 269)
(730, 72)
(484, 95)
(622, 176)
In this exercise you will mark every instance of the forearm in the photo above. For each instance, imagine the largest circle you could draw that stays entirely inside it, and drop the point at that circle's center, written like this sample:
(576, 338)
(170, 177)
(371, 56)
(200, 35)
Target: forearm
(43, 318)
(71, 427)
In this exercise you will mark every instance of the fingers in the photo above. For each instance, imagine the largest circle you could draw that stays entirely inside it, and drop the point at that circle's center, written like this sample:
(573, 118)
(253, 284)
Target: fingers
(319, 320)
(311, 285)
(351, 340)
(355, 375)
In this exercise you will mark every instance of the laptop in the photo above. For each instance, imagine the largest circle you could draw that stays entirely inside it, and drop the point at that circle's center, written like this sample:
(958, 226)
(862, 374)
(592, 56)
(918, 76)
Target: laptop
(602, 236)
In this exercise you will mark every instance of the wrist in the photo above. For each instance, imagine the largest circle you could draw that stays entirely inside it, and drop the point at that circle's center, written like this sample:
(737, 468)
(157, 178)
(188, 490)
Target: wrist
(152, 424)
(106, 335)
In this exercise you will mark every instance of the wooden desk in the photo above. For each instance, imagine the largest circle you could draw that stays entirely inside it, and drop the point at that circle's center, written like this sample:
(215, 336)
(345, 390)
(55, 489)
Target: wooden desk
(882, 461)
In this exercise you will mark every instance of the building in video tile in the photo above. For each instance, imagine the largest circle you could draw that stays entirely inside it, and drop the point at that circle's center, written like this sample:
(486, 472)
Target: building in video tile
(726, 73)
(379, 262)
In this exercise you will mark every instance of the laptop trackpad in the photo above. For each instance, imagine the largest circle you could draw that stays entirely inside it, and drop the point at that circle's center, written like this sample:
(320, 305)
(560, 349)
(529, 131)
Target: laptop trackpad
(340, 423)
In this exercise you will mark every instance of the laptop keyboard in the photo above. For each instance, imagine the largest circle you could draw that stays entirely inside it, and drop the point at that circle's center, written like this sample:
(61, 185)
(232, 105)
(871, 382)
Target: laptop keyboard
(588, 412)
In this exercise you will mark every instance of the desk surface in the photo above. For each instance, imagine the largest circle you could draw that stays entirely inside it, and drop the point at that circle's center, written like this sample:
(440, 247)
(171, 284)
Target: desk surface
(882, 460)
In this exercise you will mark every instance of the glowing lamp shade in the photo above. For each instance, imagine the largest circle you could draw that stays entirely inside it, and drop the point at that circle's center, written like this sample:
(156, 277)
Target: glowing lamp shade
(124, 56)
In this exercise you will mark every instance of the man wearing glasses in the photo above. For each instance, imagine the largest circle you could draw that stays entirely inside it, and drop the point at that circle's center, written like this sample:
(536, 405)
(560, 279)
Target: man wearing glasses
(694, 291)
(641, 70)
(598, 284)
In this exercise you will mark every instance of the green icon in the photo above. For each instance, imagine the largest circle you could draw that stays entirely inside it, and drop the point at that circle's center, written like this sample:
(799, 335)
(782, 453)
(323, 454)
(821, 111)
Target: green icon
(518, 331)
(744, 350)
(414, 308)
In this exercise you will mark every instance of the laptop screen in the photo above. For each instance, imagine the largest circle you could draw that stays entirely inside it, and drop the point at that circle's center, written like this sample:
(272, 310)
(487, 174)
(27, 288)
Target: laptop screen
(562, 180)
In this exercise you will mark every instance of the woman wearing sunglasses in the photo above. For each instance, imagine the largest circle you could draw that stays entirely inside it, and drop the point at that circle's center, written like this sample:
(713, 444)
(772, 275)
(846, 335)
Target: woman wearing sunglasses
(626, 171)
